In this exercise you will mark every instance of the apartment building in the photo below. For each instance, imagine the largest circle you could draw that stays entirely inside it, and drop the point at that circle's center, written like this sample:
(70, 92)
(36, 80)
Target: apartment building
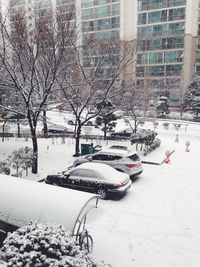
(168, 32)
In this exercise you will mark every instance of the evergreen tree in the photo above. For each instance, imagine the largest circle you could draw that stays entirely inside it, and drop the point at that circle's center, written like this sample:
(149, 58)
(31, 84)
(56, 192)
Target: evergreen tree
(106, 117)
(162, 106)
(192, 97)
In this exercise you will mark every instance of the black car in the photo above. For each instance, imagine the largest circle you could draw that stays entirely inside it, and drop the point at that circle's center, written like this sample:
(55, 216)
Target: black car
(96, 178)
(124, 134)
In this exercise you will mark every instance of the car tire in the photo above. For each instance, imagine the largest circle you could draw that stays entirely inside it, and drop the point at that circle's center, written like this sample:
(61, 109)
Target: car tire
(89, 123)
(102, 193)
(70, 122)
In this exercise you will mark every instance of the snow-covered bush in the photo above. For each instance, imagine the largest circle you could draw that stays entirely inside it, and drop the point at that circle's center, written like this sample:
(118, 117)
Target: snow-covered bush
(21, 159)
(4, 167)
(39, 245)
(143, 136)
(156, 143)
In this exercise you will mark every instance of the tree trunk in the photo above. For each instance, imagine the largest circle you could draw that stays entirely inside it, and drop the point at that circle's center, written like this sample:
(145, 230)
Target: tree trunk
(18, 128)
(77, 146)
(35, 151)
(3, 131)
(45, 128)
(105, 131)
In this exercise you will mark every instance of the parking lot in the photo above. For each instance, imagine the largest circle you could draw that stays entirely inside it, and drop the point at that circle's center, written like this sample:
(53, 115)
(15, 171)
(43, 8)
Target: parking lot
(157, 222)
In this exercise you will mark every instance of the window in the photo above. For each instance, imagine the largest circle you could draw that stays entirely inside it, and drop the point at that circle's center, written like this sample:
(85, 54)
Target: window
(100, 157)
(134, 157)
(76, 173)
(88, 13)
(176, 27)
(198, 70)
(142, 59)
(115, 9)
(173, 70)
(87, 3)
(156, 70)
(140, 71)
(198, 57)
(176, 14)
(115, 22)
(88, 174)
(154, 17)
(157, 30)
(103, 11)
(173, 56)
(142, 18)
(155, 58)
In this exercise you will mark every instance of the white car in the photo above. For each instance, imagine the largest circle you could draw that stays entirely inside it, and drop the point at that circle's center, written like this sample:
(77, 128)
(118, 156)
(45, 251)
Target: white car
(70, 119)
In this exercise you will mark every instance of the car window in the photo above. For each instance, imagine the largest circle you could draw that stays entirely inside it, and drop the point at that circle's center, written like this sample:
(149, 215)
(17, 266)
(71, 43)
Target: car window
(100, 157)
(116, 157)
(77, 173)
(89, 174)
(134, 157)
(105, 157)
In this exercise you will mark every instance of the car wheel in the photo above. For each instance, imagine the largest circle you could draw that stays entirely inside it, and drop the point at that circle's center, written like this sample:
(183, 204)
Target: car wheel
(89, 123)
(102, 193)
(70, 122)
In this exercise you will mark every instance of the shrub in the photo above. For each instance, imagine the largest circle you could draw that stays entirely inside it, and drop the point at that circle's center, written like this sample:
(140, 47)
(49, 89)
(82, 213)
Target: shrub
(4, 167)
(40, 245)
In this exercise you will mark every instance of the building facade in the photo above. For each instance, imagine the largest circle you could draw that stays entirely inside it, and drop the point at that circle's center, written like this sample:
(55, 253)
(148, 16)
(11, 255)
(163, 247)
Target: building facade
(168, 32)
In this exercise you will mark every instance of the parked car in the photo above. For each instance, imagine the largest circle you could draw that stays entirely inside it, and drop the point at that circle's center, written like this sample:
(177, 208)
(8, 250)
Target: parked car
(123, 134)
(96, 178)
(121, 159)
(70, 119)
(58, 129)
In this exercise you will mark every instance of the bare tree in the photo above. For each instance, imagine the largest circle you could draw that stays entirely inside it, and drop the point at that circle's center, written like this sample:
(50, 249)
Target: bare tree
(133, 106)
(31, 61)
(94, 74)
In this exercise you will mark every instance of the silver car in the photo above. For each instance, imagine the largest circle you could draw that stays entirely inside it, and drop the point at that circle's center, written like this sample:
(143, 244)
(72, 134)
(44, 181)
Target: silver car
(121, 159)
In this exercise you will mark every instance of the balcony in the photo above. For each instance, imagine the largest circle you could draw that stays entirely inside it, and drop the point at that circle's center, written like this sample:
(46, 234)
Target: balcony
(163, 4)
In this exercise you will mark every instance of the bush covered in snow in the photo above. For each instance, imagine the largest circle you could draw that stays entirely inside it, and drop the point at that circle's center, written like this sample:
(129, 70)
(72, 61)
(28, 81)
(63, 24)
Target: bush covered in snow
(39, 245)
(4, 167)
(21, 159)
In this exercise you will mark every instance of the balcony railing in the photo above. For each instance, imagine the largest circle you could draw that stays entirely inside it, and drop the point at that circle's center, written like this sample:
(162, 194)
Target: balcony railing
(148, 35)
(164, 4)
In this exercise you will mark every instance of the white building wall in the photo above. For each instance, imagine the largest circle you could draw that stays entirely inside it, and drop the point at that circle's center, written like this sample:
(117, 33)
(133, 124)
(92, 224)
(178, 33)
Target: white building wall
(128, 20)
(191, 25)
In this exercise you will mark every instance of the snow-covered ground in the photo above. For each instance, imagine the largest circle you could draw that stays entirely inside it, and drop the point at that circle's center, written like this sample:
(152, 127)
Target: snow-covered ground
(158, 222)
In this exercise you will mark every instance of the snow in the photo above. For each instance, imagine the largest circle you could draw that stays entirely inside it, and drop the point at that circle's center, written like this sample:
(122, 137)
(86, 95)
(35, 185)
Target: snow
(22, 201)
(158, 222)
(105, 171)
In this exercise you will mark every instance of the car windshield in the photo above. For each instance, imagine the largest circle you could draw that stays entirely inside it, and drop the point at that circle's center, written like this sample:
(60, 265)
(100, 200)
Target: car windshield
(134, 157)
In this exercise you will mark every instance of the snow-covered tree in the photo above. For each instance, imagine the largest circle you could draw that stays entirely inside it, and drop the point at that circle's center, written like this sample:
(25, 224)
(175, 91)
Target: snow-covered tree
(4, 167)
(162, 106)
(48, 245)
(106, 117)
(143, 137)
(97, 67)
(21, 159)
(192, 97)
(132, 104)
(31, 58)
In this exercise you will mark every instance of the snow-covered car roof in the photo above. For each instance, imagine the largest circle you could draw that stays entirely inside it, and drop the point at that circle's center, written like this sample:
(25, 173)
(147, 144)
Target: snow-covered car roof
(114, 151)
(104, 169)
(22, 201)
